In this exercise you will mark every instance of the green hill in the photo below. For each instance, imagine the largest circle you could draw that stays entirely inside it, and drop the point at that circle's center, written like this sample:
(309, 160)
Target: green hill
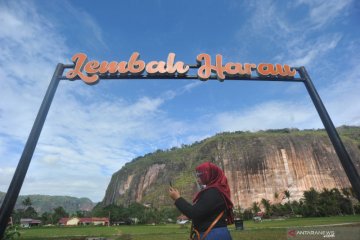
(46, 203)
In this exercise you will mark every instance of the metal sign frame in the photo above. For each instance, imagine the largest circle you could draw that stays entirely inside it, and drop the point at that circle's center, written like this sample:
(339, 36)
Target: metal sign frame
(24, 162)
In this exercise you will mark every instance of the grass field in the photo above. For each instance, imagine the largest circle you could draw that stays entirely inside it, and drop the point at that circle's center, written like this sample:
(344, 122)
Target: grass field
(266, 230)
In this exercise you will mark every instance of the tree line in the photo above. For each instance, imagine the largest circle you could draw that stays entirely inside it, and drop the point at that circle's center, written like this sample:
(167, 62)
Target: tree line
(116, 214)
(28, 211)
(136, 212)
(328, 202)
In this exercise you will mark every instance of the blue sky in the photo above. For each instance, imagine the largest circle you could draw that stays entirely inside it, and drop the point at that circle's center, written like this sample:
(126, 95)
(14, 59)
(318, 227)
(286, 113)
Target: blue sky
(92, 131)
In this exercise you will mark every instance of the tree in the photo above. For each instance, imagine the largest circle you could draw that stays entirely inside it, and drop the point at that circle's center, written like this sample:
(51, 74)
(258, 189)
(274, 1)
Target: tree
(276, 196)
(11, 233)
(80, 214)
(287, 195)
(311, 202)
(344, 205)
(267, 206)
(255, 207)
(135, 210)
(27, 202)
(169, 213)
(59, 213)
(326, 203)
(248, 214)
(115, 212)
(348, 193)
(278, 209)
(17, 214)
(297, 207)
(47, 218)
(150, 215)
(98, 211)
(29, 211)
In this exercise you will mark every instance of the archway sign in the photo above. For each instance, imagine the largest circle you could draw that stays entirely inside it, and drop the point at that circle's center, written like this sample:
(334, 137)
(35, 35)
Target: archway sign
(134, 68)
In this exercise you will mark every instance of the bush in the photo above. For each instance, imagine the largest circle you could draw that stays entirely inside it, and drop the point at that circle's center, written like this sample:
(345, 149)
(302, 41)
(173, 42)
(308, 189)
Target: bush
(11, 233)
(357, 208)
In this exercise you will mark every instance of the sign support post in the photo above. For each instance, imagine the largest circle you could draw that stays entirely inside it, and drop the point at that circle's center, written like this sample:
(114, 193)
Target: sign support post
(24, 162)
(339, 147)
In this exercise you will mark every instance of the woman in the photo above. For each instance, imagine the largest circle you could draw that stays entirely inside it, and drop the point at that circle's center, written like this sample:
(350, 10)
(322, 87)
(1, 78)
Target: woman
(210, 204)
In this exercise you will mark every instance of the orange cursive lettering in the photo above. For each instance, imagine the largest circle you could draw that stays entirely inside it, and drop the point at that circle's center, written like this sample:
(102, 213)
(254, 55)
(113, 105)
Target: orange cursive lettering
(91, 71)
(80, 59)
(267, 70)
(230, 69)
(136, 66)
(155, 67)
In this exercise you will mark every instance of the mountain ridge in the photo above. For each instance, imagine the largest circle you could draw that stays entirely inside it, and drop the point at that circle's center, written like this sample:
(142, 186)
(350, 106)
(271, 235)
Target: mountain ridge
(257, 165)
(46, 203)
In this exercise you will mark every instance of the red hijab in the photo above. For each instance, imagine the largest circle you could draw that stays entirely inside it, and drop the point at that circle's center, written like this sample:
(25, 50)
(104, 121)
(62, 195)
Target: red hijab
(213, 177)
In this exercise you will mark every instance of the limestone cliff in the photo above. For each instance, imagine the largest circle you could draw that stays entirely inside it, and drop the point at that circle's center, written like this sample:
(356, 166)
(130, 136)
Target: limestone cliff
(257, 165)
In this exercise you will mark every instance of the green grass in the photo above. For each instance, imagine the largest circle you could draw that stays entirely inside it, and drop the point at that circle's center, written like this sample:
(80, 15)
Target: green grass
(266, 230)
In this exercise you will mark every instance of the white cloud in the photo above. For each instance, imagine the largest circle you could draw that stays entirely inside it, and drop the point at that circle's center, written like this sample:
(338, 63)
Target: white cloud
(323, 12)
(88, 27)
(85, 138)
(80, 138)
(269, 115)
(306, 52)
(297, 41)
(5, 175)
(301, 114)
(267, 20)
(340, 97)
(26, 63)
(171, 94)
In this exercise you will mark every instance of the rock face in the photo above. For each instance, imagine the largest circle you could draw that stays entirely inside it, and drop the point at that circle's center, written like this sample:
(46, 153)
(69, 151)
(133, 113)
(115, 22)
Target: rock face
(293, 163)
(257, 166)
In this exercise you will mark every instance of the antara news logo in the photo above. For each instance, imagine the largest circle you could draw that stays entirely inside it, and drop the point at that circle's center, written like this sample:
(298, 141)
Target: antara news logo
(309, 234)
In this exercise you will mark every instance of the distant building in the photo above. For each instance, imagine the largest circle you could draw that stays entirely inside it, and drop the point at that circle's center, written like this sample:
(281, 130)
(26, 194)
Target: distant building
(182, 219)
(147, 205)
(63, 221)
(75, 221)
(29, 222)
(94, 221)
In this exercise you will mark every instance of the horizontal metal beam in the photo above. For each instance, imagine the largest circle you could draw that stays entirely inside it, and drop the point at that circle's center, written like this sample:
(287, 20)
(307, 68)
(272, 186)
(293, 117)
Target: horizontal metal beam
(188, 77)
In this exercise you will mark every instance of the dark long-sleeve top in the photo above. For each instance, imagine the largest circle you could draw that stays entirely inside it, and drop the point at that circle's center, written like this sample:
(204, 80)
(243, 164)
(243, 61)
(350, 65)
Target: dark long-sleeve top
(209, 205)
